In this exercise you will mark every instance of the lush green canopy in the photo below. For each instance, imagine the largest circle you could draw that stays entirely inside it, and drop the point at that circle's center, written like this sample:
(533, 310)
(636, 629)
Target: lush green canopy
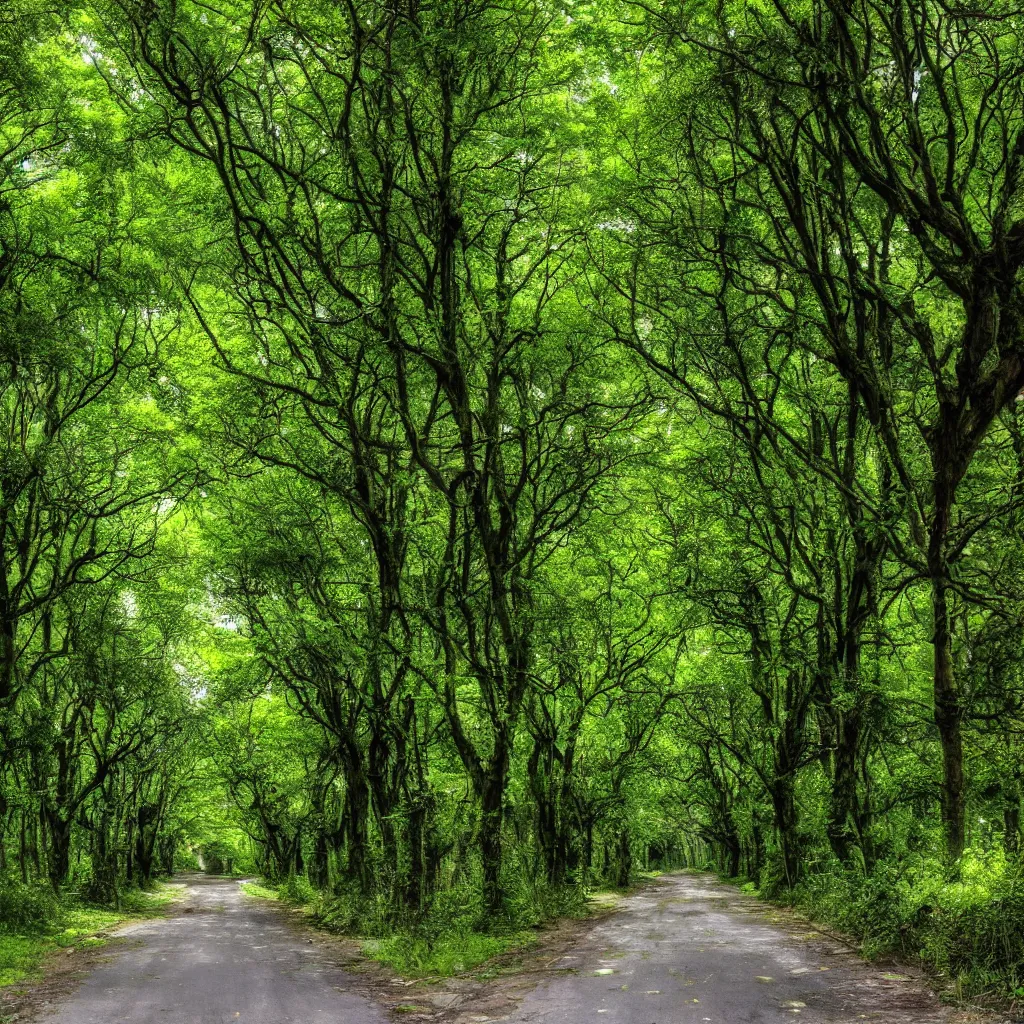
(461, 451)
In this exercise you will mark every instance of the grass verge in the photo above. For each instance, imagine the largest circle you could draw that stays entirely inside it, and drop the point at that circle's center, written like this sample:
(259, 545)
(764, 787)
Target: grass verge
(78, 927)
(261, 892)
(414, 957)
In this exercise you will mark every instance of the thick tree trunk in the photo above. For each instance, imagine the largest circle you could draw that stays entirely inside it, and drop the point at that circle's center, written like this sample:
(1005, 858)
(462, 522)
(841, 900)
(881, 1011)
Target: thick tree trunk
(103, 886)
(357, 808)
(60, 849)
(843, 798)
(540, 771)
(168, 848)
(383, 802)
(732, 850)
(786, 826)
(416, 876)
(1011, 826)
(320, 873)
(433, 853)
(864, 817)
(491, 852)
(23, 854)
(623, 859)
(145, 841)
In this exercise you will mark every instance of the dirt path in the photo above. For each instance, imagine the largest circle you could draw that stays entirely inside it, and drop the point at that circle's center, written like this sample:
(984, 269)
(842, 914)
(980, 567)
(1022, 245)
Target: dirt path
(683, 950)
(223, 958)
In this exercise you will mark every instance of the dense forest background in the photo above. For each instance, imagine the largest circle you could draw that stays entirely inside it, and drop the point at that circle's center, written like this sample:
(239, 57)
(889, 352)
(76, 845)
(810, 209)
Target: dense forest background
(456, 453)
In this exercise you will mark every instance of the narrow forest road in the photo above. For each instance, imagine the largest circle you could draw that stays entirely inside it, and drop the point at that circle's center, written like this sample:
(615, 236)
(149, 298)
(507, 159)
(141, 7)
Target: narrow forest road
(685, 949)
(224, 958)
(690, 950)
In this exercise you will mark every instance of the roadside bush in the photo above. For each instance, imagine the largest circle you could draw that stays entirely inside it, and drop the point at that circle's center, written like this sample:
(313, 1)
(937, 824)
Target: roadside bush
(350, 911)
(417, 957)
(976, 933)
(878, 910)
(968, 927)
(27, 908)
(298, 889)
(531, 904)
(451, 912)
(445, 939)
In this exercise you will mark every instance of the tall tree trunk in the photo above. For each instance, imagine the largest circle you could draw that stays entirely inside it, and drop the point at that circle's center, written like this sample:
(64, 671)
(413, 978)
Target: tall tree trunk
(786, 825)
(843, 797)
(416, 877)
(732, 852)
(357, 809)
(623, 859)
(948, 711)
(1011, 826)
(60, 849)
(492, 819)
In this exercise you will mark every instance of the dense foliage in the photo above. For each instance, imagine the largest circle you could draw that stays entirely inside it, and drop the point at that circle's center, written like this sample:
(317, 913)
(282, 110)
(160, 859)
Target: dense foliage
(459, 452)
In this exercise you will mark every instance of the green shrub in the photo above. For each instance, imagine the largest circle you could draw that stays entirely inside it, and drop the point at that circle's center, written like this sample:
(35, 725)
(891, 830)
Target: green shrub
(185, 859)
(966, 925)
(350, 911)
(19, 955)
(450, 935)
(529, 905)
(27, 908)
(449, 912)
(298, 889)
(143, 901)
(975, 934)
(878, 910)
(261, 892)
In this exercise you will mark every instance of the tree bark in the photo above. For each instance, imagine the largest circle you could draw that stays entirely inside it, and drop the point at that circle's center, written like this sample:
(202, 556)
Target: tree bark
(948, 712)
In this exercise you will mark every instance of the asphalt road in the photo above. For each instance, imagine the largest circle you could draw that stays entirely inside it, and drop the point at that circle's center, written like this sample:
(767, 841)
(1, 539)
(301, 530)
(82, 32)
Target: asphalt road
(688, 950)
(227, 959)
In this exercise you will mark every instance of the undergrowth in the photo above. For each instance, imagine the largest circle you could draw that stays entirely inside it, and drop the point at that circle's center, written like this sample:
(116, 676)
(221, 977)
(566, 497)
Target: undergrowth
(450, 936)
(414, 956)
(33, 921)
(966, 926)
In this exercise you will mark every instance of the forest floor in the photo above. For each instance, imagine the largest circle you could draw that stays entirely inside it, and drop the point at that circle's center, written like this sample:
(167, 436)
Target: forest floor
(681, 949)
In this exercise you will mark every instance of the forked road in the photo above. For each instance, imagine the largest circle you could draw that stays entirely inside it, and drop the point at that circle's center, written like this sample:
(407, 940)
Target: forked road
(684, 950)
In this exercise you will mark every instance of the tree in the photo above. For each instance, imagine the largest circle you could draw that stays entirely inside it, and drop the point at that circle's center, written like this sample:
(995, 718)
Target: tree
(856, 170)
